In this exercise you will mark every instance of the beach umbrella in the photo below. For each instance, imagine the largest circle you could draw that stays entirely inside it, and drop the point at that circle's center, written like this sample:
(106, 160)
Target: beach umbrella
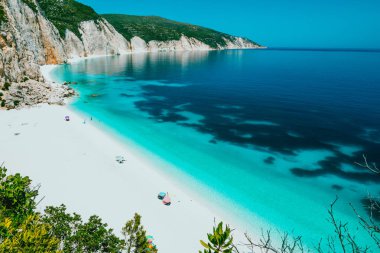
(167, 201)
(150, 239)
(161, 195)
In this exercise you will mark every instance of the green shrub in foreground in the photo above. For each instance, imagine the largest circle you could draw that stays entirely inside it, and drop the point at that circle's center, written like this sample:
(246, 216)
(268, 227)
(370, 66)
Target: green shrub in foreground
(23, 229)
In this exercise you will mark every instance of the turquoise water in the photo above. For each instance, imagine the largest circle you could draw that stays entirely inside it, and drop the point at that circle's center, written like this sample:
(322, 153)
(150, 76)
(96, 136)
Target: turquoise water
(267, 136)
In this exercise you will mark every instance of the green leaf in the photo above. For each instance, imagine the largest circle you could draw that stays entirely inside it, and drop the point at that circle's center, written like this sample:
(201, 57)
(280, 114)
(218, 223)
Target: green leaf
(204, 244)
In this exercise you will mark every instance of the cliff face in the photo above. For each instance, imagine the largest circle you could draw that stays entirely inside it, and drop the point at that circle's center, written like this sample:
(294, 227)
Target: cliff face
(164, 34)
(32, 33)
(238, 43)
(183, 44)
(27, 41)
(97, 38)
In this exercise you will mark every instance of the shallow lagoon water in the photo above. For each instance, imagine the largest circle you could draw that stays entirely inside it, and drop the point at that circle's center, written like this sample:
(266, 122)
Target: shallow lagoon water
(267, 136)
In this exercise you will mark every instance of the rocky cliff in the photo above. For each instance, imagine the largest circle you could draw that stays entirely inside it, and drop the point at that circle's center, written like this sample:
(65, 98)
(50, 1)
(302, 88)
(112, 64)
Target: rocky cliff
(97, 38)
(152, 33)
(27, 40)
(40, 32)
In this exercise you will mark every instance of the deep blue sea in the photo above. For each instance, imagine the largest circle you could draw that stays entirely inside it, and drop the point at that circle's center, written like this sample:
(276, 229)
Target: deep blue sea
(268, 136)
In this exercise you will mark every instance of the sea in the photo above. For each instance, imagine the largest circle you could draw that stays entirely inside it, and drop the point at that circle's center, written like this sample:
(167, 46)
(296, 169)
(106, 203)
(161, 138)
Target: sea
(269, 137)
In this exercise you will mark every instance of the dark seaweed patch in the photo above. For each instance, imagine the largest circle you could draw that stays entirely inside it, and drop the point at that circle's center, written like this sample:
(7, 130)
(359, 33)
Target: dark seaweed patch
(269, 160)
(299, 103)
(372, 207)
(227, 123)
(363, 176)
(337, 187)
(213, 141)
(126, 95)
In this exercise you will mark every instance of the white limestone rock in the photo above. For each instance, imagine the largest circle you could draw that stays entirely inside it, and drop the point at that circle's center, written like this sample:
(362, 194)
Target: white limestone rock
(74, 46)
(138, 45)
(238, 43)
(183, 44)
(33, 92)
(101, 38)
(27, 40)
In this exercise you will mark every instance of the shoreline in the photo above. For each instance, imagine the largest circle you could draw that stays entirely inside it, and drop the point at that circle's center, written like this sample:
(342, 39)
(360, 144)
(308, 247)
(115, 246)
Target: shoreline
(179, 178)
(75, 165)
(81, 160)
(135, 133)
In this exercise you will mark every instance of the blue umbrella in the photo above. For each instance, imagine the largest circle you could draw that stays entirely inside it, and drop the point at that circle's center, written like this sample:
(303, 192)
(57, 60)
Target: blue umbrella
(161, 195)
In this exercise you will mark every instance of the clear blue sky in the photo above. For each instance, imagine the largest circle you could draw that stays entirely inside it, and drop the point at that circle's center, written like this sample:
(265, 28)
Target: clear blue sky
(284, 23)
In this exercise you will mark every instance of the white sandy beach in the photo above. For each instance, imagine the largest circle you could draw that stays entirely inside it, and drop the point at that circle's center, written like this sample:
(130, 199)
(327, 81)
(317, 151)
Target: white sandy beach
(75, 165)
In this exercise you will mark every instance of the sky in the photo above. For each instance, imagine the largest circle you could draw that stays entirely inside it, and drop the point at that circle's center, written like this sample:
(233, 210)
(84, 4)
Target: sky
(273, 23)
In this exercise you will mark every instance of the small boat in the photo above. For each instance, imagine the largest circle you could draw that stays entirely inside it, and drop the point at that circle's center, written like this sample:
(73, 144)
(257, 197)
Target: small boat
(167, 201)
(161, 195)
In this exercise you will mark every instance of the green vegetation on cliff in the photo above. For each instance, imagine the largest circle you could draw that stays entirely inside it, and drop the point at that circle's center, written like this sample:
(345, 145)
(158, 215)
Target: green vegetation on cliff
(3, 16)
(32, 5)
(156, 28)
(67, 14)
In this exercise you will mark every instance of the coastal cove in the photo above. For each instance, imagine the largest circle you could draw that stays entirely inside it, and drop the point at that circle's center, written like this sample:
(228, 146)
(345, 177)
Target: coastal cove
(275, 134)
(75, 165)
(184, 127)
(231, 135)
